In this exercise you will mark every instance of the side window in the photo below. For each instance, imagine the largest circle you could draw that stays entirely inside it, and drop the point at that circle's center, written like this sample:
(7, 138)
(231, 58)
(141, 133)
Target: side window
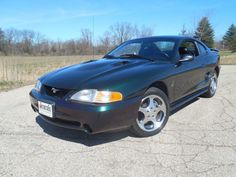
(188, 48)
(202, 49)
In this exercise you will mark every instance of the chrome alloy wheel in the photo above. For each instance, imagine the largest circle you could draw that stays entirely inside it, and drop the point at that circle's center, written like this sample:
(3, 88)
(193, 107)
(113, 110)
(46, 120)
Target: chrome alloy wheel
(213, 84)
(152, 113)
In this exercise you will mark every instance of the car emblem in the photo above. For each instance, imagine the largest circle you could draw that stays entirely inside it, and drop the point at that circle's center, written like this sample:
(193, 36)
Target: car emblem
(54, 90)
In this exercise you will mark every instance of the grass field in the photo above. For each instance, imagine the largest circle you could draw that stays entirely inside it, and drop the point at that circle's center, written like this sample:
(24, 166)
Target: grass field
(16, 71)
(228, 58)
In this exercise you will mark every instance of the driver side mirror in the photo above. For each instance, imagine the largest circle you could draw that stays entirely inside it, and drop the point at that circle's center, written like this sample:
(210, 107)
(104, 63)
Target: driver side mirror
(186, 58)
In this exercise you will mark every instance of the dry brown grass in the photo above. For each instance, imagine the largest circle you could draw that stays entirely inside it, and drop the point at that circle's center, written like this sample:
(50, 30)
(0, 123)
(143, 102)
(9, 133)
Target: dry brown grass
(228, 58)
(17, 71)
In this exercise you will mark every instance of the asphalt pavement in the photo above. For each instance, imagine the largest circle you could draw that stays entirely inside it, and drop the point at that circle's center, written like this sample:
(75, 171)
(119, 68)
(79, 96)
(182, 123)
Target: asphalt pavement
(198, 141)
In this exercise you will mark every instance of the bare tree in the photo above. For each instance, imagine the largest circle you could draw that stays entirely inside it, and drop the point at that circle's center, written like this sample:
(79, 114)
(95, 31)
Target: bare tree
(85, 41)
(37, 48)
(183, 31)
(186, 32)
(2, 42)
(14, 40)
(28, 41)
(70, 47)
(144, 31)
(105, 43)
(121, 32)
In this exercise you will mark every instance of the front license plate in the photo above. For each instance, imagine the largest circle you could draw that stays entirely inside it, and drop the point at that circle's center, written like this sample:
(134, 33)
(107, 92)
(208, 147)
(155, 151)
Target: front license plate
(45, 109)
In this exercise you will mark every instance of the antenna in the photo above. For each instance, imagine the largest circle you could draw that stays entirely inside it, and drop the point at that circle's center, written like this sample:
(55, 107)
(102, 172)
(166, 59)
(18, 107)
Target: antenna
(93, 35)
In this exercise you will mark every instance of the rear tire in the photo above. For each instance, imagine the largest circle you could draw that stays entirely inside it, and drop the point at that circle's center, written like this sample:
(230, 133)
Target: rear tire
(212, 86)
(153, 113)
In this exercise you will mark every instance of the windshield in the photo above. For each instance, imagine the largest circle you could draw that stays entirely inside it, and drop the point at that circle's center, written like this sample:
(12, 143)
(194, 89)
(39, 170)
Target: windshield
(153, 49)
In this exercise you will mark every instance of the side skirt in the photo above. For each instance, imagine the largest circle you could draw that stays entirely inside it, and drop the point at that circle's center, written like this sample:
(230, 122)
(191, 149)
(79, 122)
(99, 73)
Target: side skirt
(182, 101)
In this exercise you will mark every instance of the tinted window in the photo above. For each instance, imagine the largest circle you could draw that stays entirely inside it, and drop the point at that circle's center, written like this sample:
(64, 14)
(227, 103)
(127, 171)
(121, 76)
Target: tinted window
(202, 49)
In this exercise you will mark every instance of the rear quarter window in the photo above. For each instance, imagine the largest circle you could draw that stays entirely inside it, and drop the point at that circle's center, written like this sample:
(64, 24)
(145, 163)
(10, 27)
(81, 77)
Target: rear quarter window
(191, 47)
(202, 49)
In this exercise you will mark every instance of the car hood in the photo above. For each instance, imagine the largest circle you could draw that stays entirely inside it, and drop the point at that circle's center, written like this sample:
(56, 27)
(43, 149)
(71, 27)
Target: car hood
(73, 77)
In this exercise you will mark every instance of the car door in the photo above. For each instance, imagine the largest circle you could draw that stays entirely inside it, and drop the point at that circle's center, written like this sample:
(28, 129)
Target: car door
(204, 58)
(188, 73)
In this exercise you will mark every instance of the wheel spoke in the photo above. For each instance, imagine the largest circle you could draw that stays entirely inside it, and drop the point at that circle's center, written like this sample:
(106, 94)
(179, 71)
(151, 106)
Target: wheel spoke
(146, 120)
(143, 110)
(143, 122)
(162, 107)
(153, 119)
(151, 103)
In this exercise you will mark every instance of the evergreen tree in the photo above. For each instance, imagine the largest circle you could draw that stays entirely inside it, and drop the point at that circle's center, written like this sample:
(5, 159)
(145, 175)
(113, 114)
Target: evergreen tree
(205, 32)
(230, 38)
(233, 47)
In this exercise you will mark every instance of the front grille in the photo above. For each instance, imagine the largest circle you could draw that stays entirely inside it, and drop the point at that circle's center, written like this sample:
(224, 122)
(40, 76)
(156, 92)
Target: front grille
(55, 92)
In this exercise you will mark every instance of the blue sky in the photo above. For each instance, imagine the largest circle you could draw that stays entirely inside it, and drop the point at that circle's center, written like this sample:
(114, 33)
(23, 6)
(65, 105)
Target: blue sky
(63, 19)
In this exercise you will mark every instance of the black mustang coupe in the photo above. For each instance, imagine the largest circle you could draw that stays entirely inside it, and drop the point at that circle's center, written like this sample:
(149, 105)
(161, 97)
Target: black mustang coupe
(134, 86)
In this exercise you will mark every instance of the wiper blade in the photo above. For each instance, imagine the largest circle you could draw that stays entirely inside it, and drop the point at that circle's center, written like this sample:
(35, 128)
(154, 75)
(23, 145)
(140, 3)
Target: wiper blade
(135, 56)
(109, 56)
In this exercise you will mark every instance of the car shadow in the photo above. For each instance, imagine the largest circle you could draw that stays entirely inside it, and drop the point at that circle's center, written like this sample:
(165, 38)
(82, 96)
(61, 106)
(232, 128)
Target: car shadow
(80, 136)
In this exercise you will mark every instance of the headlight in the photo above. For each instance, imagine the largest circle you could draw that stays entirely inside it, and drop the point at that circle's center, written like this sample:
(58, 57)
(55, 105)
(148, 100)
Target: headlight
(38, 86)
(95, 96)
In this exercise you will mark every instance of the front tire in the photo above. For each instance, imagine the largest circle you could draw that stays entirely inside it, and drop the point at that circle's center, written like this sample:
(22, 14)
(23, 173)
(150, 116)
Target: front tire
(153, 113)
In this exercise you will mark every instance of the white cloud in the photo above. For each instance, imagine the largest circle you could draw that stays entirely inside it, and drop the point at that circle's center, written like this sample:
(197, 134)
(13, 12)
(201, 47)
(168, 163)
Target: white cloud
(46, 17)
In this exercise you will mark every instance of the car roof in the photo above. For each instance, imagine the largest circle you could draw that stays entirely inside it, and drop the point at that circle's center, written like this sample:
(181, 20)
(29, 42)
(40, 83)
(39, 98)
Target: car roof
(171, 38)
(176, 38)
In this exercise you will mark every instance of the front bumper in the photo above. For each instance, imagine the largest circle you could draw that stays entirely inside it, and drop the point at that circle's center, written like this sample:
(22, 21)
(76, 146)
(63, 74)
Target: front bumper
(92, 118)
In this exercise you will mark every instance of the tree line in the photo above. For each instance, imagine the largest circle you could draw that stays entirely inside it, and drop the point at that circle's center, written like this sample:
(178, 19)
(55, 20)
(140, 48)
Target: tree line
(26, 42)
